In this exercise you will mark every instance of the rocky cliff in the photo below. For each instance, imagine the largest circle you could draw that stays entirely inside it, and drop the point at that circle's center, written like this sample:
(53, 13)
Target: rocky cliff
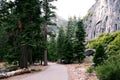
(102, 17)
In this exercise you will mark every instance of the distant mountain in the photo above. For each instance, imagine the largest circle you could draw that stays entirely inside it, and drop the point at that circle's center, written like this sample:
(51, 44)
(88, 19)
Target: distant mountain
(60, 22)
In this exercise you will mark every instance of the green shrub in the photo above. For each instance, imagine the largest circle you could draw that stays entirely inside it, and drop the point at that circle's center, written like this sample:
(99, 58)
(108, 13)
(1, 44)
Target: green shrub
(90, 69)
(6, 64)
(99, 56)
(110, 70)
(13, 68)
(104, 39)
(92, 45)
(114, 46)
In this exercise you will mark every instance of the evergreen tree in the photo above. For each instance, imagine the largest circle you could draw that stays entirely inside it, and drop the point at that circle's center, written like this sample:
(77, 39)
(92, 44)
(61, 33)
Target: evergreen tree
(70, 31)
(25, 29)
(79, 46)
(48, 14)
(68, 51)
(60, 43)
(68, 43)
(8, 23)
(2, 33)
(29, 25)
(52, 54)
(99, 56)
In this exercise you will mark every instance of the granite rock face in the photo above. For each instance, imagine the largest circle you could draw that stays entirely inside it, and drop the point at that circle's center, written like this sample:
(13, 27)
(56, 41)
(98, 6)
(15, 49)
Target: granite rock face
(102, 17)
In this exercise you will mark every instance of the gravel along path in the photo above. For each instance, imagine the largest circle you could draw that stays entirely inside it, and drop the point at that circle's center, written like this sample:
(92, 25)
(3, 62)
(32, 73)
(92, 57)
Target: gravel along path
(79, 72)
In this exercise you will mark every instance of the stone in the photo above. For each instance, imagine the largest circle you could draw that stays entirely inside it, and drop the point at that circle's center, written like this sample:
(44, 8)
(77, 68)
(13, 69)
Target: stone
(3, 70)
(102, 17)
(89, 52)
(2, 76)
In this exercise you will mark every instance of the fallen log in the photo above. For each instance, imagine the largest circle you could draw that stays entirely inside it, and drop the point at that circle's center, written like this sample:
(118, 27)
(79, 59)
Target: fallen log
(13, 73)
(2, 76)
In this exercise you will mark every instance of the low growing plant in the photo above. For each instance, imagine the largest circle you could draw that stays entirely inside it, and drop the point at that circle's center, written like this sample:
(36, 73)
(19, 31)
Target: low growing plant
(90, 69)
(110, 70)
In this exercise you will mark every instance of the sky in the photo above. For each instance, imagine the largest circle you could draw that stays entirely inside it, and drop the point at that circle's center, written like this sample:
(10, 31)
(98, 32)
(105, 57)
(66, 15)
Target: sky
(70, 8)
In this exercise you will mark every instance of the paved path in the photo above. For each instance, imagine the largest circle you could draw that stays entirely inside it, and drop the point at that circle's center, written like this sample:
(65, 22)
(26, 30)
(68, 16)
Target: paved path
(54, 72)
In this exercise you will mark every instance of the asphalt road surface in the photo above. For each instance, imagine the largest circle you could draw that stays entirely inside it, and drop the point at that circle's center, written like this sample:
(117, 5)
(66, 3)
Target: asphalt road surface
(53, 72)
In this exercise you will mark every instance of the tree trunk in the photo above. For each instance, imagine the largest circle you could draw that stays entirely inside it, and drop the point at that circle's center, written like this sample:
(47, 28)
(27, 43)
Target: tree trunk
(30, 56)
(41, 61)
(45, 51)
(45, 58)
(23, 58)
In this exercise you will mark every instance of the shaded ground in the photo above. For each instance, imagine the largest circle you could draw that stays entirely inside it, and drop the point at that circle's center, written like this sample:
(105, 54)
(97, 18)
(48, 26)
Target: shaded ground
(79, 72)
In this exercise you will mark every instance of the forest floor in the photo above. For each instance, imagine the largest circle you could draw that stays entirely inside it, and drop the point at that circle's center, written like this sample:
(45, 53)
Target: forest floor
(1, 64)
(79, 72)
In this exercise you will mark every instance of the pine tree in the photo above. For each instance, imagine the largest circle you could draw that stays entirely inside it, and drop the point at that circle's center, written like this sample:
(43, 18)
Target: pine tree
(25, 27)
(99, 56)
(60, 43)
(33, 20)
(52, 54)
(68, 43)
(70, 31)
(79, 46)
(68, 51)
(48, 14)
(29, 26)
(2, 33)
(7, 24)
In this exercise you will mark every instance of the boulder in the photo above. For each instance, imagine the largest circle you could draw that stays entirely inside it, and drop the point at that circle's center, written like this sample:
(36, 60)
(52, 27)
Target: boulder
(89, 52)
